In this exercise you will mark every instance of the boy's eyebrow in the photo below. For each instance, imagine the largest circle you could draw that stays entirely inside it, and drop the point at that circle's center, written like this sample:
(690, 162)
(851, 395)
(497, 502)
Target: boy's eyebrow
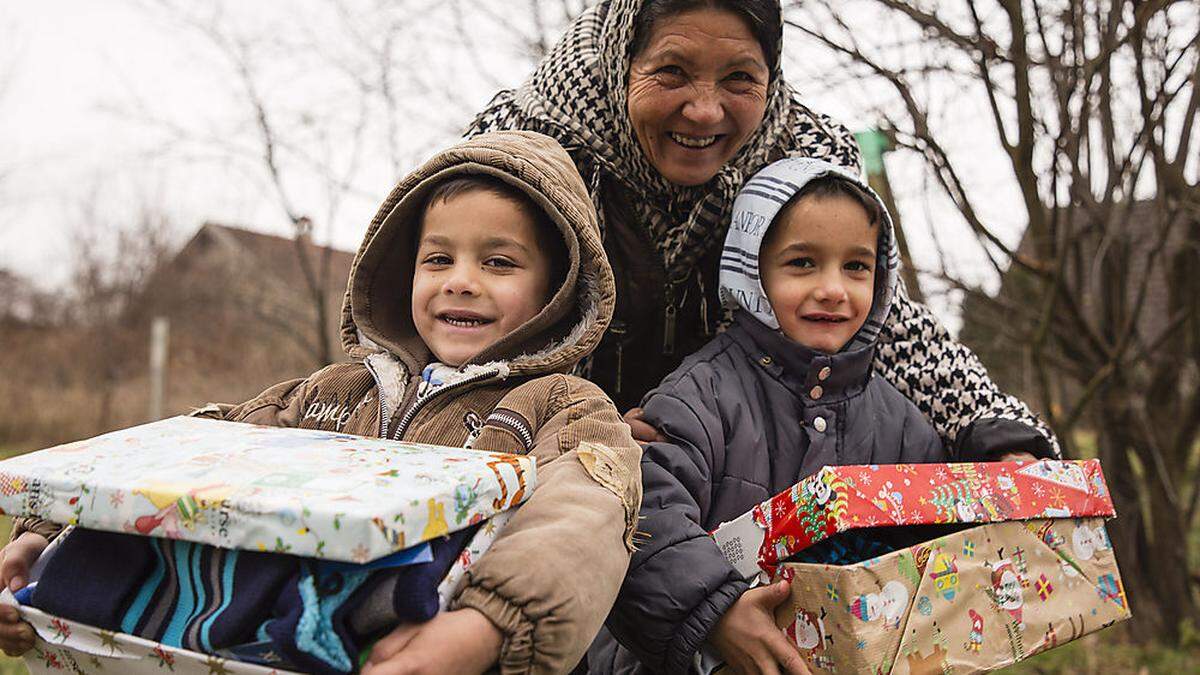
(490, 242)
(806, 246)
(436, 240)
(498, 242)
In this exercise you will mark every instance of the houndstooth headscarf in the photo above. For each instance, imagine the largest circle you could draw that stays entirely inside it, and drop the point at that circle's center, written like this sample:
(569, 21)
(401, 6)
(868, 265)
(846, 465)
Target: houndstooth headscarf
(577, 95)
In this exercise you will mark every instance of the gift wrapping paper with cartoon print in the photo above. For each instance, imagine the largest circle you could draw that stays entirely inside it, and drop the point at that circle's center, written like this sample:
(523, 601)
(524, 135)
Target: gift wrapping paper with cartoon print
(308, 493)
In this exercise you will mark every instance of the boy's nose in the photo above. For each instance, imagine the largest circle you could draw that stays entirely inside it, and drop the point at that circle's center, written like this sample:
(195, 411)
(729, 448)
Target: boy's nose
(830, 289)
(462, 280)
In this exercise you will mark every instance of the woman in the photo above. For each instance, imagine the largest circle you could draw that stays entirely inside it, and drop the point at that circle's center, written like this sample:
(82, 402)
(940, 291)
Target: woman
(664, 118)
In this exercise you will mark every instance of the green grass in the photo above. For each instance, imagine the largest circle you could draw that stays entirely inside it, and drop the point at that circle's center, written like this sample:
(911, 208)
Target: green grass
(1100, 653)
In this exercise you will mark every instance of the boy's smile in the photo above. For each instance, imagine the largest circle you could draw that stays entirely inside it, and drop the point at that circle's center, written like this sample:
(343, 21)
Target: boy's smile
(818, 270)
(480, 274)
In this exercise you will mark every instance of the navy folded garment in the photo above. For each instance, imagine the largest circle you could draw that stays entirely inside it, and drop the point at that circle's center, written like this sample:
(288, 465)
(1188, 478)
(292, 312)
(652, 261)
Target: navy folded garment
(317, 615)
(322, 622)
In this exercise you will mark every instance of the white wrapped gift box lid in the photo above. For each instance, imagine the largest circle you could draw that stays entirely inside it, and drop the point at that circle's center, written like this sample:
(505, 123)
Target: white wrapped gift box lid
(304, 492)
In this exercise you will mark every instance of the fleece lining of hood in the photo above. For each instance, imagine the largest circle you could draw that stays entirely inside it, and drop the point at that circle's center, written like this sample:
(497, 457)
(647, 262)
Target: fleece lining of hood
(754, 210)
(377, 312)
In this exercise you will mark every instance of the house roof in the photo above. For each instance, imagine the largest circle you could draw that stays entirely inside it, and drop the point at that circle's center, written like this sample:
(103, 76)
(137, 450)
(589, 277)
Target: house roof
(265, 254)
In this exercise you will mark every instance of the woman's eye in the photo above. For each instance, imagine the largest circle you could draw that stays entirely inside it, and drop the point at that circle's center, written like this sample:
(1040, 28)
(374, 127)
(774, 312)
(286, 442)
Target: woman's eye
(856, 266)
(671, 72)
(438, 259)
(741, 76)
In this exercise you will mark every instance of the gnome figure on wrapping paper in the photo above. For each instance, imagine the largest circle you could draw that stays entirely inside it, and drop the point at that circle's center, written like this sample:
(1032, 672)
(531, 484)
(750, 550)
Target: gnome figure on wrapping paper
(975, 637)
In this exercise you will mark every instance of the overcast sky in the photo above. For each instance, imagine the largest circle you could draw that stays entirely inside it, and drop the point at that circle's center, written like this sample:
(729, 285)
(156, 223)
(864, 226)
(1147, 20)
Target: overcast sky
(111, 109)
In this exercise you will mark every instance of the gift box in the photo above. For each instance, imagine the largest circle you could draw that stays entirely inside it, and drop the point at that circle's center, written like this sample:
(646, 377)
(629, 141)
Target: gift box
(62, 646)
(985, 564)
(309, 493)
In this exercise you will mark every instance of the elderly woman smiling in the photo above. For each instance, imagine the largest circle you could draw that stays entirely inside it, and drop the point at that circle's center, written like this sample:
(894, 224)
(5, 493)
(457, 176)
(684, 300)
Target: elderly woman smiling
(666, 106)
(697, 90)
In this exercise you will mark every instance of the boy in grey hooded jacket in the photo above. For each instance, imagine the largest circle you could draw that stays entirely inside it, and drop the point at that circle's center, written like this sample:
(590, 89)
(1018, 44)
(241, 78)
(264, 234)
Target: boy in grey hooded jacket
(810, 268)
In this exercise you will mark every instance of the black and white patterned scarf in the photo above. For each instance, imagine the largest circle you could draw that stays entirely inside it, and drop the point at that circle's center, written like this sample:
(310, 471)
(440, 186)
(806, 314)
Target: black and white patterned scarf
(577, 95)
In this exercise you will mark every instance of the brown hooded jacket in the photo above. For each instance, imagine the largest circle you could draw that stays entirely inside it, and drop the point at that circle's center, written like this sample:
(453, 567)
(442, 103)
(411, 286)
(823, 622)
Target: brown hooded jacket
(550, 577)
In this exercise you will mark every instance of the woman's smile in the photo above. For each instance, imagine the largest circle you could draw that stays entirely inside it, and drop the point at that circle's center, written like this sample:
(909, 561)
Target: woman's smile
(697, 93)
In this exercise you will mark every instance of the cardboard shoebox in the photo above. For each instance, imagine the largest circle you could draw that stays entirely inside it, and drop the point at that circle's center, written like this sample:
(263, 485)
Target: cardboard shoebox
(306, 493)
(990, 563)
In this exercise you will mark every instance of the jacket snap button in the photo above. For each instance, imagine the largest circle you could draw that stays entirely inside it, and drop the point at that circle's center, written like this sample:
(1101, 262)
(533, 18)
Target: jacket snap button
(816, 392)
(824, 374)
(819, 424)
(766, 360)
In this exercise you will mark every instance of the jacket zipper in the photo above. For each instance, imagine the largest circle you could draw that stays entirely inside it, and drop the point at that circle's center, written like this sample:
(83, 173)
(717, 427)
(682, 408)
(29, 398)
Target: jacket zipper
(384, 413)
(422, 401)
(514, 423)
(669, 311)
(617, 328)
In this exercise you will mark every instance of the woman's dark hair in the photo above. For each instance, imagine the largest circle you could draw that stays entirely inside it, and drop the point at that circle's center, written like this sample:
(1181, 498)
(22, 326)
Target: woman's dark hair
(763, 17)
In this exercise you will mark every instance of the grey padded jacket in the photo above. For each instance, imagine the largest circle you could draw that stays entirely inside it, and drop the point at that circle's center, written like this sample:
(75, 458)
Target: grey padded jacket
(748, 416)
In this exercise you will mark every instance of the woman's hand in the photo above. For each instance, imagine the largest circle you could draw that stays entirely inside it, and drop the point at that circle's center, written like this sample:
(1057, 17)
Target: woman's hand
(642, 431)
(16, 636)
(462, 641)
(748, 638)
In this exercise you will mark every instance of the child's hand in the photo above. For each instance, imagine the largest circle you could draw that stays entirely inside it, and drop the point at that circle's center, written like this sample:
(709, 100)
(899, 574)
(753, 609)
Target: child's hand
(462, 641)
(1016, 457)
(18, 557)
(642, 431)
(16, 636)
(748, 638)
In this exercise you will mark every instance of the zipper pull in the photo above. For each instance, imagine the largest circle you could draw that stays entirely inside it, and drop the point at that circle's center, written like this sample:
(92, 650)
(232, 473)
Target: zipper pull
(617, 328)
(669, 328)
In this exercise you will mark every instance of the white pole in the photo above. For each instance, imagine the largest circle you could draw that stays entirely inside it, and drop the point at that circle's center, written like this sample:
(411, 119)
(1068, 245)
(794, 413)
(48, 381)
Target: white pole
(159, 331)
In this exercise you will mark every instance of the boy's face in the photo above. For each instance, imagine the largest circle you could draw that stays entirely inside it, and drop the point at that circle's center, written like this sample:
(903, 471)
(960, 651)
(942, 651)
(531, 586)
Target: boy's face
(818, 269)
(480, 274)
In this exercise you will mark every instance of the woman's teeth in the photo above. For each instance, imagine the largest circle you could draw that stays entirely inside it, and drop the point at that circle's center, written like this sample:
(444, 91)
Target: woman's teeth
(692, 141)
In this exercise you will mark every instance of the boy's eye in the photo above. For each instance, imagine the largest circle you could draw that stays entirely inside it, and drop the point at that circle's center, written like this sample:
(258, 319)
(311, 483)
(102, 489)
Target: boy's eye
(500, 262)
(858, 266)
(437, 259)
(802, 262)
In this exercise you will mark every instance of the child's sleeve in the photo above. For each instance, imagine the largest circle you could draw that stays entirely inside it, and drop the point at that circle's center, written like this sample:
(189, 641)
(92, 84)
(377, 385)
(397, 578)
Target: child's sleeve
(679, 583)
(548, 580)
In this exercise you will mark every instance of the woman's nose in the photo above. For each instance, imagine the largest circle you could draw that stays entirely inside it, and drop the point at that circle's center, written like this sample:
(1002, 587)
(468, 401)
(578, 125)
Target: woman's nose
(704, 107)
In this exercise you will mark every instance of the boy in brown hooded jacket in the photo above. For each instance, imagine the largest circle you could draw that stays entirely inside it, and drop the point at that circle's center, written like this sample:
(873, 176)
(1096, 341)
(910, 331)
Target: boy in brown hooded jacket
(479, 284)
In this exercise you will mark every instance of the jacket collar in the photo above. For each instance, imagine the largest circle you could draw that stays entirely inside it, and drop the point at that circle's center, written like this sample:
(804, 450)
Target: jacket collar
(814, 377)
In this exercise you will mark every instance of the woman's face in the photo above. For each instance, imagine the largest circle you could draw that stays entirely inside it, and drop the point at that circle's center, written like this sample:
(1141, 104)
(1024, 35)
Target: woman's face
(697, 92)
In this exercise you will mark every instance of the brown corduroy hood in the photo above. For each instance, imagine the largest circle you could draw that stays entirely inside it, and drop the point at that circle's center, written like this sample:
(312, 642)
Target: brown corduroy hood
(376, 313)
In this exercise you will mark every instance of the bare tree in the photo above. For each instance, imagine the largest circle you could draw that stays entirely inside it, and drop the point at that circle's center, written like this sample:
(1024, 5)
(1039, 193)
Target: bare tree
(1092, 106)
(111, 268)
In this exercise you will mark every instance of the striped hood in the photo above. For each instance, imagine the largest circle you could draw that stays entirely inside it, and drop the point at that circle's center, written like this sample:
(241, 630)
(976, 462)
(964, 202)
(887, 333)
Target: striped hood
(755, 208)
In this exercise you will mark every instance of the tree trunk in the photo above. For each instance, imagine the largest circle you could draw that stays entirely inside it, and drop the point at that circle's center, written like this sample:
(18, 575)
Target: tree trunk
(1149, 537)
